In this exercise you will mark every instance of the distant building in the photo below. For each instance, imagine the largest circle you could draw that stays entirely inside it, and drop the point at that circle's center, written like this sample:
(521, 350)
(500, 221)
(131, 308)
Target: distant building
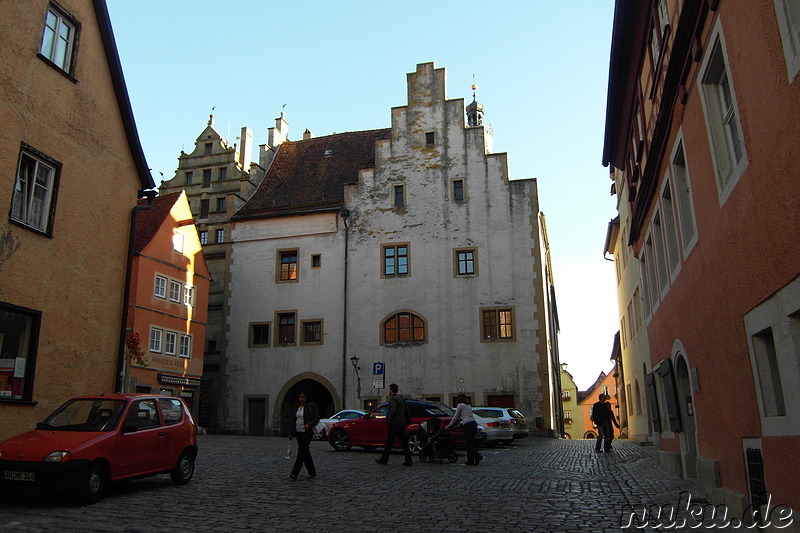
(702, 129)
(572, 412)
(168, 301)
(399, 255)
(604, 384)
(72, 168)
(217, 178)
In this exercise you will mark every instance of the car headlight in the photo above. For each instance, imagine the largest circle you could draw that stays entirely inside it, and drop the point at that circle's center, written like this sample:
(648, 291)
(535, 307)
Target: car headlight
(57, 457)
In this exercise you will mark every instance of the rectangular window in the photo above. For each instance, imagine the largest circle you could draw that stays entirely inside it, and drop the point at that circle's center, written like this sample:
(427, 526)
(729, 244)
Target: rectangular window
(186, 346)
(34, 198)
(788, 13)
(170, 338)
(497, 324)
(259, 335)
(670, 227)
(395, 260)
(430, 138)
(286, 329)
(660, 252)
(19, 338)
(220, 233)
(204, 208)
(203, 235)
(768, 374)
(722, 120)
(188, 296)
(188, 176)
(287, 265)
(155, 340)
(653, 271)
(223, 173)
(683, 198)
(175, 291)
(465, 262)
(312, 331)
(207, 149)
(644, 269)
(177, 242)
(161, 287)
(206, 177)
(458, 190)
(399, 196)
(221, 204)
(58, 41)
(316, 260)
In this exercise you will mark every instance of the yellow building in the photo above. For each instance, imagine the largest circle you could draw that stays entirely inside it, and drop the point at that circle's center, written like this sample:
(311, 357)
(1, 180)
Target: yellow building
(573, 414)
(71, 166)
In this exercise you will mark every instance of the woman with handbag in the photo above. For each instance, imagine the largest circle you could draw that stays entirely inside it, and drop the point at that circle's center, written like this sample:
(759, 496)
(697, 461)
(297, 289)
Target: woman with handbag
(306, 417)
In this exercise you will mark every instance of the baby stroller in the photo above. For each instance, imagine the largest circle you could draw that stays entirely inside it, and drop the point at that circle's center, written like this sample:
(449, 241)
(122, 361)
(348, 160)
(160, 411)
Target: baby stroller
(437, 442)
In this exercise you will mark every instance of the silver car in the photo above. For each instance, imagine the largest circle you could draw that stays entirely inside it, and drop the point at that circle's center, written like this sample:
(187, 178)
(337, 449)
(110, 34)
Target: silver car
(515, 418)
(324, 426)
(498, 430)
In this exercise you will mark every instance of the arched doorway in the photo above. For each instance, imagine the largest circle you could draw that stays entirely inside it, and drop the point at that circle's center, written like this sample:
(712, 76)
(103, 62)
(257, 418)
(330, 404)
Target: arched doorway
(317, 392)
(688, 436)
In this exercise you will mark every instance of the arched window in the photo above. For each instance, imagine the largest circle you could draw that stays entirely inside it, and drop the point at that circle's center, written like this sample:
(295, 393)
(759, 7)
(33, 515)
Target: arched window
(403, 327)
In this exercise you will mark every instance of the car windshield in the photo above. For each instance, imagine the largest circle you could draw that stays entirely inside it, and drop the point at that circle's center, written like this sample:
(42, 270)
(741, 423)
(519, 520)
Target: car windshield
(431, 409)
(516, 414)
(84, 414)
(483, 414)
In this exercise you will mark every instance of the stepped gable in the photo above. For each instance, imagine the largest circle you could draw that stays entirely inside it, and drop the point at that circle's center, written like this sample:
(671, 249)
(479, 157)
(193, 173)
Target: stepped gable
(148, 221)
(308, 176)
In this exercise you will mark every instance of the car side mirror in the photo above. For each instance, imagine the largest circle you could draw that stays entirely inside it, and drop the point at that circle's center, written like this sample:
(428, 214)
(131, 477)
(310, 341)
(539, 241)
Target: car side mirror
(129, 427)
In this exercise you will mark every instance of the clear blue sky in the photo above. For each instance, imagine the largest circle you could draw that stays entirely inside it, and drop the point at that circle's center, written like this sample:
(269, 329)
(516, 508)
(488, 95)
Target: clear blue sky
(541, 67)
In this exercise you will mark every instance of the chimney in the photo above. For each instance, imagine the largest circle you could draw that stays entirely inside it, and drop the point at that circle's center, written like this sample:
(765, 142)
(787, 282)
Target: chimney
(277, 135)
(307, 135)
(246, 148)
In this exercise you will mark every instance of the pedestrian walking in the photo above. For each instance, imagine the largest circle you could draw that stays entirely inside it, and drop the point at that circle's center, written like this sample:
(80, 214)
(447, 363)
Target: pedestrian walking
(305, 418)
(469, 426)
(396, 421)
(603, 417)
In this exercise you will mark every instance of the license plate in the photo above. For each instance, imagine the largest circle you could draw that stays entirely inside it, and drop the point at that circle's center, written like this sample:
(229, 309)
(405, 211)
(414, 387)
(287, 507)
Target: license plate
(19, 476)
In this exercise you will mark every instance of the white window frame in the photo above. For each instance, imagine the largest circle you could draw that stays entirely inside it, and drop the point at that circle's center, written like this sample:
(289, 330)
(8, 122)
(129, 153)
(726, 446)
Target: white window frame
(669, 223)
(175, 294)
(32, 200)
(156, 336)
(57, 48)
(785, 10)
(220, 232)
(188, 295)
(185, 346)
(684, 202)
(177, 242)
(170, 342)
(162, 293)
(722, 119)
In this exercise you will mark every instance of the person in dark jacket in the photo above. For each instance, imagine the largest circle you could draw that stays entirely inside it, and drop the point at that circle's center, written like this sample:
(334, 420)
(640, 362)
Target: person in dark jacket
(396, 422)
(306, 417)
(603, 417)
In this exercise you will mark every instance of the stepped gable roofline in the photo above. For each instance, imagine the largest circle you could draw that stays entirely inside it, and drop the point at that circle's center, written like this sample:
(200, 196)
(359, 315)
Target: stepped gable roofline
(148, 221)
(309, 176)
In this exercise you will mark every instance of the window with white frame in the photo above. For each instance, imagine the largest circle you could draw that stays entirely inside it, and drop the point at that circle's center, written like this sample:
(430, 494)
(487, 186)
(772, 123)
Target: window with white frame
(683, 198)
(644, 266)
(156, 335)
(59, 38)
(670, 227)
(170, 338)
(175, 291)
(33, 201)
(177, 242)
(188, 295)
(186, 346)
(722, 118)
(656, 242)
(203, 236)
(788, 13)
(160, 290)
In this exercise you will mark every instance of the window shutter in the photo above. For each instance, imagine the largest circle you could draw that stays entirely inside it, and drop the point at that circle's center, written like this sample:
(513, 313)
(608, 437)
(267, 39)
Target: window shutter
(653, 402)
(670, 394)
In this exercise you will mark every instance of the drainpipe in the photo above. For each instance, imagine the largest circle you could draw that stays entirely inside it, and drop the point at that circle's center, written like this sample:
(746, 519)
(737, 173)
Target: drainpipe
(344, 213)
(118, 385)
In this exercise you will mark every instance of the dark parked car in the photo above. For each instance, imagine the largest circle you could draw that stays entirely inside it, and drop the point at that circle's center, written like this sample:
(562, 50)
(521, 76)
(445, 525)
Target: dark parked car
(93, 440)
(369, 431)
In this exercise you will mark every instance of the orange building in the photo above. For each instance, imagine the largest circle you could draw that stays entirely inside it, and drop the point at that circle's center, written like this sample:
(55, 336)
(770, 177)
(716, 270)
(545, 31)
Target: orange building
(604, 384)
(168, 304)
(71, 170)
(702, 131)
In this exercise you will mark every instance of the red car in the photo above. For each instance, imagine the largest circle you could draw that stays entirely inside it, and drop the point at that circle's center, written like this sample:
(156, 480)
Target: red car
(93, 440)
(369, 431)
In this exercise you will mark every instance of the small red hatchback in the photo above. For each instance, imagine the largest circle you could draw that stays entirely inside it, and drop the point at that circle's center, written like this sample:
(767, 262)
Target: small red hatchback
(93, 440)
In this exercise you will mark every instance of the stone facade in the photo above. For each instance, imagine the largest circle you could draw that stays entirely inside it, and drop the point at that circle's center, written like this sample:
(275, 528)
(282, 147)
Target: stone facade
(408, 247)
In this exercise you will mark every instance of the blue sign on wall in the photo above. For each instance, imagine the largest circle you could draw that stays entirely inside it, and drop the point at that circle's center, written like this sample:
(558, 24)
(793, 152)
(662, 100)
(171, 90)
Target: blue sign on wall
(377, 368)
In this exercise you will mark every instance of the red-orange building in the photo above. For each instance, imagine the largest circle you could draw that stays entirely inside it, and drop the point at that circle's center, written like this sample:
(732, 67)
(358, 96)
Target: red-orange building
(703, 129)
(604, 384)
(168, 301)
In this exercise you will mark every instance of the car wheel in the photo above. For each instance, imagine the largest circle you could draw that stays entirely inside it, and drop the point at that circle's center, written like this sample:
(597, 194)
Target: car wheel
(318, 435)
(415, 443)
(340, 441)
(184, 470)
(453, 457)
(94, 482)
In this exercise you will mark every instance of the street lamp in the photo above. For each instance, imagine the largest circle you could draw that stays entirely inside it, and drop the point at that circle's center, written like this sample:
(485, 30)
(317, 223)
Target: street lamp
(355, 360)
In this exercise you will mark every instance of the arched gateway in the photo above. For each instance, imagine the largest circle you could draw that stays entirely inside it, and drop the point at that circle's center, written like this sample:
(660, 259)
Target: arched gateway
(320, 390)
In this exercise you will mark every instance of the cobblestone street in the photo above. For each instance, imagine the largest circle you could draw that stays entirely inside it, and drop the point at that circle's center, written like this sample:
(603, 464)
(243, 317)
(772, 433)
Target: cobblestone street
(242, 484)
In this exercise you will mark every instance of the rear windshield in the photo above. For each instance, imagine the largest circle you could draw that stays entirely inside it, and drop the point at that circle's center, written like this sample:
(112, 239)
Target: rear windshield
(86, 414)
(492, 413)
(483, 414)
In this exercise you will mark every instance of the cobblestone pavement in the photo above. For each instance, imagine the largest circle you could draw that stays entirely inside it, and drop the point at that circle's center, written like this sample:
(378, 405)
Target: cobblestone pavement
(241, 484)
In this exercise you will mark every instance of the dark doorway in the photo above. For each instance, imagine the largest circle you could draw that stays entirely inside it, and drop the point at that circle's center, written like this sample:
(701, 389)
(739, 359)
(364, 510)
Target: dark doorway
(317, 393)
(500, 400)
(256, 415)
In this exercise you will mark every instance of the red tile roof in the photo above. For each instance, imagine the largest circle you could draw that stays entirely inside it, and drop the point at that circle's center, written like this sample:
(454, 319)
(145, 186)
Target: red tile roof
(309, 176)
(149, 220)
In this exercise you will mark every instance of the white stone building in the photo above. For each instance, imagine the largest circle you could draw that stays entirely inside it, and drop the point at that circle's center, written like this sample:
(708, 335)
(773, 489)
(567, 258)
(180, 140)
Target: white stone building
(407, 246)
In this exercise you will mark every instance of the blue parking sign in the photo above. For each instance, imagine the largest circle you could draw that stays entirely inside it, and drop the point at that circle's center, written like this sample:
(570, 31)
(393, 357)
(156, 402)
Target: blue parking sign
(377, 368)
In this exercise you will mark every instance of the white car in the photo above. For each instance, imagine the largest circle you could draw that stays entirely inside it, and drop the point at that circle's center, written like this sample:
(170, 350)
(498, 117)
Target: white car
(324, 426)
(497, 430)
(517, 419)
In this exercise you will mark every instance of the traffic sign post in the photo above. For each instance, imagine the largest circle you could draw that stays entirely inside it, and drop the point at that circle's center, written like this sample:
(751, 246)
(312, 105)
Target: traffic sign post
(378, 375)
